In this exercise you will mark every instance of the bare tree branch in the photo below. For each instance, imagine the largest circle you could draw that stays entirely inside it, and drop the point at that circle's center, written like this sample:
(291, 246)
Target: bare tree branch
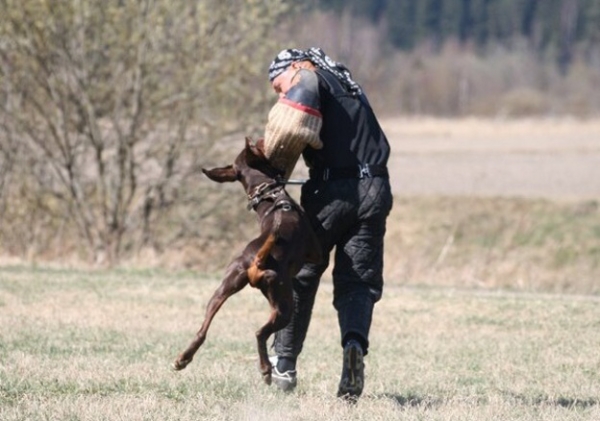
(116, 104)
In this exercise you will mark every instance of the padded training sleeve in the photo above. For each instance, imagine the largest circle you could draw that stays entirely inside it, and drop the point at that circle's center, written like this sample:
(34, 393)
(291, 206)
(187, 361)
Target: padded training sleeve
(294, 122)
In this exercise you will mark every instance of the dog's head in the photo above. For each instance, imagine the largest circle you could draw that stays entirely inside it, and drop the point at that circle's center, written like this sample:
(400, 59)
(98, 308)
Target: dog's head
(251, 167)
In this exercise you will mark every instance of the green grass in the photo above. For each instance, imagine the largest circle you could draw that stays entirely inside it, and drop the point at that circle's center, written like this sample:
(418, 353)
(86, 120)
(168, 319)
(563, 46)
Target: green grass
(77, 345)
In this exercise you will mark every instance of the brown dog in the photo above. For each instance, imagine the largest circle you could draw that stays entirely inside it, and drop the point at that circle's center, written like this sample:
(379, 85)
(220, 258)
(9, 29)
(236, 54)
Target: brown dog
(270, 261)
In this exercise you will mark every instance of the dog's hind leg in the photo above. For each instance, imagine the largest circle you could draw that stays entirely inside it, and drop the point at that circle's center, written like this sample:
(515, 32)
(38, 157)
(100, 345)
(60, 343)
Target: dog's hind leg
(235, 279)
(279, 295)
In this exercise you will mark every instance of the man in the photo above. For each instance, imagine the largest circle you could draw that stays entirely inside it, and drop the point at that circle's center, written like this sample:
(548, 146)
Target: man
(347, 199)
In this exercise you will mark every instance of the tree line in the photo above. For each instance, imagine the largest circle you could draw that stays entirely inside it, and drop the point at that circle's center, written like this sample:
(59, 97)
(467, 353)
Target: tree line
(549, 26)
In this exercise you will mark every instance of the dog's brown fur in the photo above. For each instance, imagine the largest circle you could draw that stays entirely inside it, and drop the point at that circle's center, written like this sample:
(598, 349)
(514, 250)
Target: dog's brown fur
(270, 261)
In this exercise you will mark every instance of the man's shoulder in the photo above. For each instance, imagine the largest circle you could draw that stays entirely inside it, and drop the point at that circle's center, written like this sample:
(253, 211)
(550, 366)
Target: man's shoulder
(329, 82)
(306, 89)
(306, 79)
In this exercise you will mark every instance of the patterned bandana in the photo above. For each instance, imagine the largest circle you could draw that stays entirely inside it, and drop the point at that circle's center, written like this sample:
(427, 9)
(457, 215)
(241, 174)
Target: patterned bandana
(318, 57)
(284, 60)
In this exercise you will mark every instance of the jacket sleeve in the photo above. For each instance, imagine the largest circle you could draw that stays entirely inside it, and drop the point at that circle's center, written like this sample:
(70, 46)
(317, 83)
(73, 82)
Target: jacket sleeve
(294, 122)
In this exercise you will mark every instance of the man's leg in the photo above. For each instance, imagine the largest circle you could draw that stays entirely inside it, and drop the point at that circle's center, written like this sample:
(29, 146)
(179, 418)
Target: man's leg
(358, 280)
(358, 266)
(358, 285)
(324, 214)
(289, 341)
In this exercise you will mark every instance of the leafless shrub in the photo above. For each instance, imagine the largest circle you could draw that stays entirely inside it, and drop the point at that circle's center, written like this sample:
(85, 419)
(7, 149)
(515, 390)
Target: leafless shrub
(111, 107)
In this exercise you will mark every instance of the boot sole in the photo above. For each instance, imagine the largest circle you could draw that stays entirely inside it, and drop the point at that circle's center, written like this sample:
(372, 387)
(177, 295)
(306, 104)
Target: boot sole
(352, 382)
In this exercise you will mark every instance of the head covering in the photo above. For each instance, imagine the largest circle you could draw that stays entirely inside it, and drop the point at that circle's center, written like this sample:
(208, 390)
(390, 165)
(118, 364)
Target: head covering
(284, 59)
(317, 57)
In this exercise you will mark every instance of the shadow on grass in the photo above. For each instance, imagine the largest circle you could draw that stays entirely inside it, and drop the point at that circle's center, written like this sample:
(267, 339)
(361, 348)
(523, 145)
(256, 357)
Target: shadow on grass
(412, 401)
(570, 403)
(544, 400)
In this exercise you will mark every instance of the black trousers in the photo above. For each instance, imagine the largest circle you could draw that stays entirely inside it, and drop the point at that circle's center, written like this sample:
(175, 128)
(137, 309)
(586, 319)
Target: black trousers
(350, 216)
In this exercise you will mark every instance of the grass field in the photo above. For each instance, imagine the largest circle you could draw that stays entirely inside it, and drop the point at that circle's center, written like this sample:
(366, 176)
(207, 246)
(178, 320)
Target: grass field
(83, 345)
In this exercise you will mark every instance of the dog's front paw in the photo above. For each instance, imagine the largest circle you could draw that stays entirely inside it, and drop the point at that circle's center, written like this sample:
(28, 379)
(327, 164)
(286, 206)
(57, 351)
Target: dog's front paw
(267, 378)
(179, 364)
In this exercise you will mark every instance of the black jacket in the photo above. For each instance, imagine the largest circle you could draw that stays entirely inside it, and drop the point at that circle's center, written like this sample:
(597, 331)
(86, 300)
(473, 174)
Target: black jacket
(350, 133)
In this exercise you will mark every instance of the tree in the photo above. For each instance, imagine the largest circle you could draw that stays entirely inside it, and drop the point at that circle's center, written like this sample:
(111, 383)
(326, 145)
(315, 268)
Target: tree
(113, 105)
(403, 23)
(528, 17)
(568, 27)
(465, 29)
(482, 23)
(433, 22)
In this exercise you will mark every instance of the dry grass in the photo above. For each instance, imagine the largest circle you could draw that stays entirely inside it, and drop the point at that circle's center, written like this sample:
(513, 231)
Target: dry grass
(519, 244)
(80, 345)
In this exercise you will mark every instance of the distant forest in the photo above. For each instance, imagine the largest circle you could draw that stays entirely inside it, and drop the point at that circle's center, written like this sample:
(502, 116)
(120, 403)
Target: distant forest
(550, 26)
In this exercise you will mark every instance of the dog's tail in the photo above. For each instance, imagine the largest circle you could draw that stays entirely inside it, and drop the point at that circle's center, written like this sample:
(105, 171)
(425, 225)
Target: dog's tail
(256, 269)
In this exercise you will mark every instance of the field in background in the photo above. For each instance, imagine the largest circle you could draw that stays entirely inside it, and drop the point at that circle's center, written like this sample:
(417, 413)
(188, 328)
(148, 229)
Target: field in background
(512, 204)
(496, 203)
(79, 345)
(556, 159)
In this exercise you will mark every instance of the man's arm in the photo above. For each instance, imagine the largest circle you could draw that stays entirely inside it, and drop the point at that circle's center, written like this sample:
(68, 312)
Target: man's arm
(294, 122)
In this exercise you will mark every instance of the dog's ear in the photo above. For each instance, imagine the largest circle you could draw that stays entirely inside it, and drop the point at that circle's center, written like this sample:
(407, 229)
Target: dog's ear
(258, 148)
(222, 174)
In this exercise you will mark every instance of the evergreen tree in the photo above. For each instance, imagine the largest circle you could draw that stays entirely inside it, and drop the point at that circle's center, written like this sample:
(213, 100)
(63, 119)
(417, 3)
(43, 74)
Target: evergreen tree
(433, 22)
(568, 21)
(549, 25)
(482, 21)
(528, 17)
(402, 21)
(466, 21)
